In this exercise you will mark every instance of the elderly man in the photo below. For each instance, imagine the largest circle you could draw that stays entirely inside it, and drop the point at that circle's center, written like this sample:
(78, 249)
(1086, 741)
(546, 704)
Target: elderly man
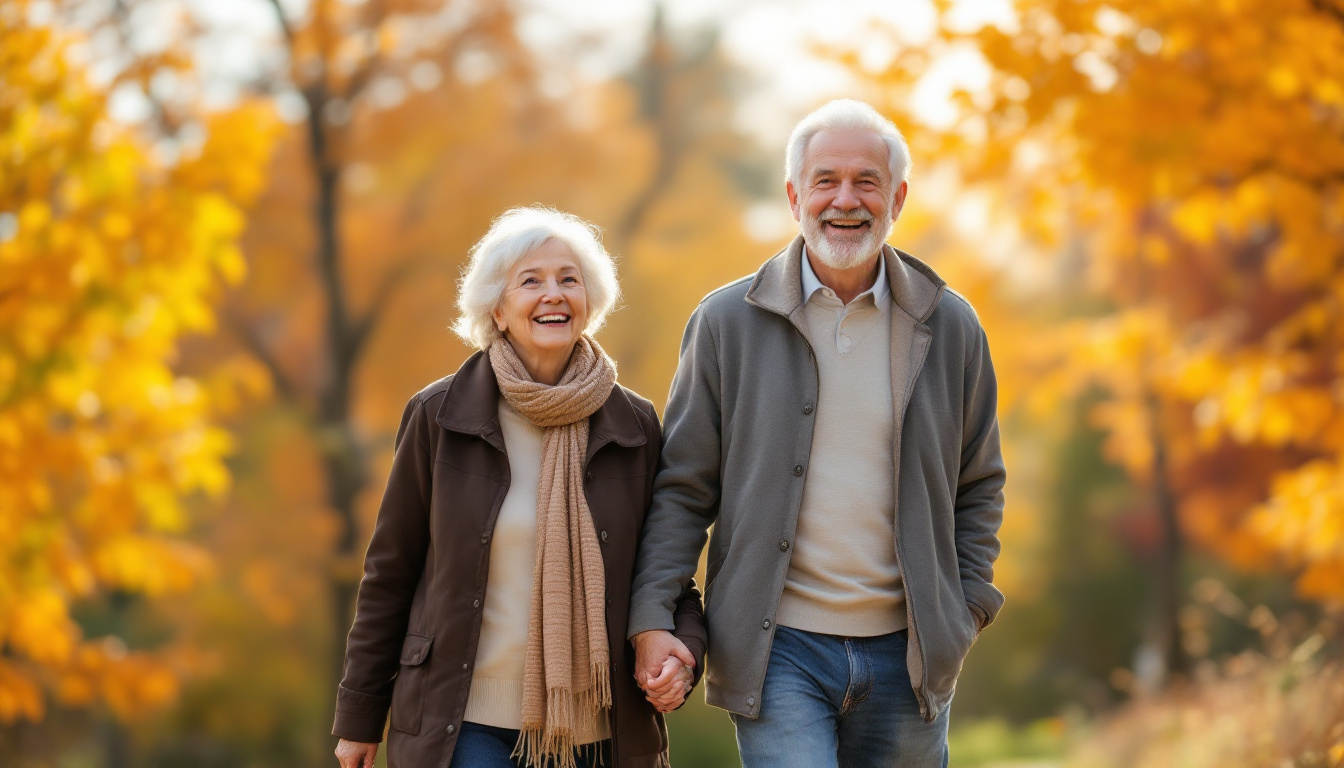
(833, 417)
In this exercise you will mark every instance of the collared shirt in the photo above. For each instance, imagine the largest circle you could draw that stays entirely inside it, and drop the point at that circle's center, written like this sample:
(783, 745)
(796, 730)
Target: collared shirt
(881, 291)
(850, 328)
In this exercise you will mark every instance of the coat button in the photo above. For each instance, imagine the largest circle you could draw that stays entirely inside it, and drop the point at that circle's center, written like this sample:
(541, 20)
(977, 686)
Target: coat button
(485, 538)
(797, 470)
(807, 408)
(589, 475)
(783, 546)
(765, 624)
(603, 536)
(476, 603)
(751, 701)
(451, 729)
(465, 667)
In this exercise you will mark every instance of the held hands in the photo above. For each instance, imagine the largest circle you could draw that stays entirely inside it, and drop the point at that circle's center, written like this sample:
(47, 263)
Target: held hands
(664, 668)
(354, 754)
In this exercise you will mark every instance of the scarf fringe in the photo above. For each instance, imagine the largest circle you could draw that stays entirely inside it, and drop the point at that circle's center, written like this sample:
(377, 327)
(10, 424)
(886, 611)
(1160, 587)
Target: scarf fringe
(592, 751)
(552, 744)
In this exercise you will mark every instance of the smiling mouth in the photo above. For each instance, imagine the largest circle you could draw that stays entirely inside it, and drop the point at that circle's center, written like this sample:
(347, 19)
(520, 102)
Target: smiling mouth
(847, 226)
(553, 319)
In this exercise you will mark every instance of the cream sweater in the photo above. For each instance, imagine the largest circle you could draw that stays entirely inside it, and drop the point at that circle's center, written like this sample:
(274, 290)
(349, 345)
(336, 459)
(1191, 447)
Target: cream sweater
(843, 577)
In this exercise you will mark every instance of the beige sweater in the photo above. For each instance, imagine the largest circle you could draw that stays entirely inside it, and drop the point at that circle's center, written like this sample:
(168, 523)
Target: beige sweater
(843, 577)
(496, 694)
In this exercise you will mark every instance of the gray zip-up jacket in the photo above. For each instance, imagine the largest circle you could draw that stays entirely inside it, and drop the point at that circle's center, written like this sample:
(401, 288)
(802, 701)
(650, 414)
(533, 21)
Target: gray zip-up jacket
(737, 436)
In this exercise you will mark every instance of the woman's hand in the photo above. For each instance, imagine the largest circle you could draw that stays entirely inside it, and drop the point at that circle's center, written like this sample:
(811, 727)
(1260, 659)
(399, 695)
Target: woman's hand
(669, 689)
(664, 668)
(355, 754)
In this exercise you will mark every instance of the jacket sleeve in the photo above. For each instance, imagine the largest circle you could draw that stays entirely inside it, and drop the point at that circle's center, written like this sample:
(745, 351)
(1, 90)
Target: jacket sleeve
(689, 617)
(979, 504)
(686, 490)
(392, 569)
(690, 628)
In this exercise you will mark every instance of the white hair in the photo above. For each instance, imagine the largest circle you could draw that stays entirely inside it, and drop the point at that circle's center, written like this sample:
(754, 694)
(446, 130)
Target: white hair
(847, 114)
(512, 236)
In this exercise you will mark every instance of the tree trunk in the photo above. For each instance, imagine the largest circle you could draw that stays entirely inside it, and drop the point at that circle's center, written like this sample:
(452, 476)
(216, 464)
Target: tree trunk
(1167, 574)
(343, 459)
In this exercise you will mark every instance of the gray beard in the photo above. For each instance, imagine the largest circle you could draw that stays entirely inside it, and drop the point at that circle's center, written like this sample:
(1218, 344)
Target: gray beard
(848, 253)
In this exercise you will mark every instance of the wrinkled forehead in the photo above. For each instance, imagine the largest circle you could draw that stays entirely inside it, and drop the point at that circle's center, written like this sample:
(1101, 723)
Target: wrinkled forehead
(850, 151)
(552, 254)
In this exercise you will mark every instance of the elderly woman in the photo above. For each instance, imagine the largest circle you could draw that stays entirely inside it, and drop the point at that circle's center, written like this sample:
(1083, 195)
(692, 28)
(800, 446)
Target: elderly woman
(492, 614)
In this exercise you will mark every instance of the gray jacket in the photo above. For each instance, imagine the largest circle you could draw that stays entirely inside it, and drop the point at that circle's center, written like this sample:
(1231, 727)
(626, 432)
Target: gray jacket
(738, 432)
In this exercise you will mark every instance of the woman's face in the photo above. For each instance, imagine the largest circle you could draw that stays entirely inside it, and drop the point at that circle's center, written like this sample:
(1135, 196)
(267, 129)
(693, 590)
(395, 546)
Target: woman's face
(544, 308)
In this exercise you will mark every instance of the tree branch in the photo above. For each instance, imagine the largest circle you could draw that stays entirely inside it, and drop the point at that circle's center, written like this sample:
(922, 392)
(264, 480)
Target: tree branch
(1316, 181)
(285, 28)
(1328, 8)
(252, 341)
(375, 15)
(392, 280)
(658, 108)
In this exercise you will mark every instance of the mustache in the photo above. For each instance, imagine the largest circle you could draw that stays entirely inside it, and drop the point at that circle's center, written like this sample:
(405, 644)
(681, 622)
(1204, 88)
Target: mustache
(858, 214)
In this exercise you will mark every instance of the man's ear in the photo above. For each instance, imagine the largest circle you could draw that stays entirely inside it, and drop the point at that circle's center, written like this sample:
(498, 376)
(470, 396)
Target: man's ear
(792, 192)
(898, 200)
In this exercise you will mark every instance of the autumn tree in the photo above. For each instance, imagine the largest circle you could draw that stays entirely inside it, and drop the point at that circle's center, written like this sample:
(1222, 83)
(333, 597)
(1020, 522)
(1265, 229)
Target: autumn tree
(111, 252)
(1192, 155)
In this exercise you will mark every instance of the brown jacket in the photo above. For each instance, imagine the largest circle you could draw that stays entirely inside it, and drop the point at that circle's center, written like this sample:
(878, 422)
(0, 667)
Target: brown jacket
(418, 615)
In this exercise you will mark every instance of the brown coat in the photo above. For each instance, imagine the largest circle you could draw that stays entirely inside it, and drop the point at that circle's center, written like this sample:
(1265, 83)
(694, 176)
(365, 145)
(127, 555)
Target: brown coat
(418, 615)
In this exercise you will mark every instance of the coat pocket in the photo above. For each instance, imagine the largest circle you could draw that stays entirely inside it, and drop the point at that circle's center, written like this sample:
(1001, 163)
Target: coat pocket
(408, 694)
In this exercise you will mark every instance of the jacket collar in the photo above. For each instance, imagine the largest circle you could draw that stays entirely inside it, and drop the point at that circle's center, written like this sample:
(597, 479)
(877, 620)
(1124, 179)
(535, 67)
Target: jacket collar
(778, 285)
(471, 406)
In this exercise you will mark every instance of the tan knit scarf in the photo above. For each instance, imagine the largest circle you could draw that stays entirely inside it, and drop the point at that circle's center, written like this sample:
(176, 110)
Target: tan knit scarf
(566, 677)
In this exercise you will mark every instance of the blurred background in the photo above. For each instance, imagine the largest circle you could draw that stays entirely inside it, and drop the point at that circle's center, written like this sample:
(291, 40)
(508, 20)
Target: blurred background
(229, 239)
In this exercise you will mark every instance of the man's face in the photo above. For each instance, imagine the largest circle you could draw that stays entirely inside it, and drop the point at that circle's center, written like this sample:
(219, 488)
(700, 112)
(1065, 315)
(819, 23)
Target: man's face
(845, 199)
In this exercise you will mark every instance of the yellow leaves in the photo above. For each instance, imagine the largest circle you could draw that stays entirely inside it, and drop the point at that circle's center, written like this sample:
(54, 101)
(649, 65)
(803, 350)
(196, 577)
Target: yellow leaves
(1283, 82)
(37, 627)
(1304, 518)
(34, 216)
(236, 152)
(1256, 398)
(1129, 434)
(20, 696)
(107, 258)
(199, 458)
(148, 564)
(138, 684)
(131, 683)
(218, 223)
(1198, 217)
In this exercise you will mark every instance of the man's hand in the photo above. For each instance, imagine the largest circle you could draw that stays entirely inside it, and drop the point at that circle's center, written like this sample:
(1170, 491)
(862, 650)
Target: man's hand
(670, 689)
(663, 668)
(355, 754)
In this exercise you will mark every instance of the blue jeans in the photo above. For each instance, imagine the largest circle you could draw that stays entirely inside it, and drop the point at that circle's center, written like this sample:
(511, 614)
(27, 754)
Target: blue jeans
(485, 746)
(839, 702)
